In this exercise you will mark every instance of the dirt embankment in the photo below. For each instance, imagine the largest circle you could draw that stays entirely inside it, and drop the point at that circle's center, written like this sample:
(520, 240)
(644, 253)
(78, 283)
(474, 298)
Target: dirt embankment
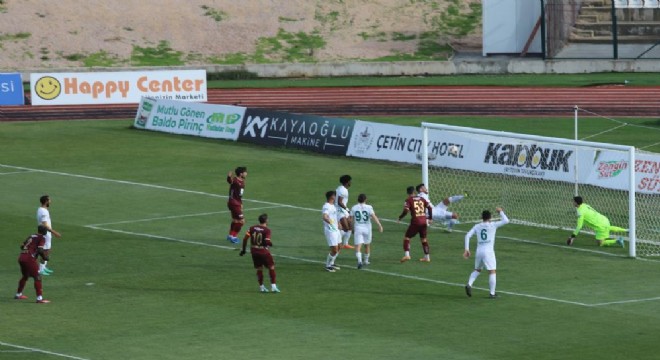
(69, 33)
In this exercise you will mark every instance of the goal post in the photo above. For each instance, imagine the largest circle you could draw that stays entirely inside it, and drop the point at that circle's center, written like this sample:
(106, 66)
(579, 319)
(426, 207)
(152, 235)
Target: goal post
(535, 178)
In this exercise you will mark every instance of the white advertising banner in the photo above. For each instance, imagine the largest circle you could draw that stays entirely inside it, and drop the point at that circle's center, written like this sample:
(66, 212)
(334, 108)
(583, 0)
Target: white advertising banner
(611, 170)
(185, 118)
(501, 155)
(117, 87)
(392, 142)
(486, 154)
(647, 173)
(509, 156)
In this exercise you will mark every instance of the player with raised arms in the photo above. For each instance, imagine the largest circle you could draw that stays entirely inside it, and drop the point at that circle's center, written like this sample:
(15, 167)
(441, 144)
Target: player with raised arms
(236, 181)
(343, 213)
(361, 215)
(331, 231)
(417, 207)
(32, 249)
(440, 211)
(485, 255)
(586, 215)
(259, 236)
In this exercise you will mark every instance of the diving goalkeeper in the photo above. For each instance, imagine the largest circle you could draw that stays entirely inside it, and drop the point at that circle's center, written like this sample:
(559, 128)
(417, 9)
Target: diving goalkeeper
(598, 222)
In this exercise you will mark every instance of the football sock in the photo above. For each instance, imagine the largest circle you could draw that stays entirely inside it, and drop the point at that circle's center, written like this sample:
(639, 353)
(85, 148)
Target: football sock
(345, 236)
(329, 260)
(473, 277)
(358, 255)
(42, 266)
(492, 280)
(617, 229)
(406, 253)
(406, 246)
(272, 276)
(456, 198)
(39, 298)
(235, 228)
(425, 247)
(366, 257)
(609, 242)
(334, 258)
(37, 286)
(260, 277)
(21, 285)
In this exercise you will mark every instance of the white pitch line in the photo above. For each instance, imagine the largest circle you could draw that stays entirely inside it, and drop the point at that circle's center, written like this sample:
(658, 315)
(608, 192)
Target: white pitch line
(160, 237)
(261, 202)
(153, 186)
(626, 301)
(412, 277)
(41, 351)
(180, 216)
(15, 172)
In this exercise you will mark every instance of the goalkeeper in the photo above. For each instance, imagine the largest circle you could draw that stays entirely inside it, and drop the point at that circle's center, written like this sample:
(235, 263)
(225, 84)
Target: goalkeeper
(598, 222)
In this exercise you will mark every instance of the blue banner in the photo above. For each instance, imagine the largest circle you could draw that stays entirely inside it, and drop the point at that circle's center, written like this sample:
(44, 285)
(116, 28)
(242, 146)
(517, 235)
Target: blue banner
(11, 89)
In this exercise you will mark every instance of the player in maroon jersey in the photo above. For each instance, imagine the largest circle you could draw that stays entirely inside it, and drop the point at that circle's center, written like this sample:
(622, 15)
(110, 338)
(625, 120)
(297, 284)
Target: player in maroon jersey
(259, 236)
(31, 249)
(417, 207)
(236, 182)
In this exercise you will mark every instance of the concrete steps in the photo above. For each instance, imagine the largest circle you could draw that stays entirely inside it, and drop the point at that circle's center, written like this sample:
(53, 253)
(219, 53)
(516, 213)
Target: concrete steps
(594, 24)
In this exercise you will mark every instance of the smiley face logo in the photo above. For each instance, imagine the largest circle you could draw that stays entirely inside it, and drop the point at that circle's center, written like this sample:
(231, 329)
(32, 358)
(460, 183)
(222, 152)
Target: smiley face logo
(48, 88)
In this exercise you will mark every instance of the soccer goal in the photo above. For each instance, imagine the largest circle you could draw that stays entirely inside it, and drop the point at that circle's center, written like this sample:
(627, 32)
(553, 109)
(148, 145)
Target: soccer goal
(535, 178)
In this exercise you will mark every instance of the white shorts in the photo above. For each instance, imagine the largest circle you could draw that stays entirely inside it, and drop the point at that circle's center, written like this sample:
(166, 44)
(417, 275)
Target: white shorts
(48, 238)
(485, 259)
(332, 237)
(440, 212)
(362, 236)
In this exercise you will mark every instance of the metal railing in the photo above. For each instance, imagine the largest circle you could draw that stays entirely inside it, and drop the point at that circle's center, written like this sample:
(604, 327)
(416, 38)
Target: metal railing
(600, 29)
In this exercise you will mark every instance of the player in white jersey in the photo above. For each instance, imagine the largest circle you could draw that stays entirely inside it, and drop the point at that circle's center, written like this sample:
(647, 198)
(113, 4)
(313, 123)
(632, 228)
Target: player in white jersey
(343, 211)
(361, 215)
(485, 256)
(43, 218)
(331, 231)
(440, 212)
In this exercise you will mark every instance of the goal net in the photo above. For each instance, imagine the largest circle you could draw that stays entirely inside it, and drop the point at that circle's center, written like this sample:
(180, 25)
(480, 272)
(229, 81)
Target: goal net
(535, 178)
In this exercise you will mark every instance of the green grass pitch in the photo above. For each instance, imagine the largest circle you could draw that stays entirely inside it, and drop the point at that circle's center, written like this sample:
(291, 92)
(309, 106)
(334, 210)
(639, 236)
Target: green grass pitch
(144, 271)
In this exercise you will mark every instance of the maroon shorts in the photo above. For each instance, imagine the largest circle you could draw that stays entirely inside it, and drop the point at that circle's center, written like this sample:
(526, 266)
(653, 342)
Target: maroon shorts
(29, 266)
(414, 229)
(262, 257)
(236, 210)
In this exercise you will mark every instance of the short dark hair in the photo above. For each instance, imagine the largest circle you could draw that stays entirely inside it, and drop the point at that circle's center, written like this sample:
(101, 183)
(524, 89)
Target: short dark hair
(344, 179)
(44, 199)
(263, 218)
(330, 194)
(486, 215)
(239, 170)
(410, 190)
(419, 187)
(42, 230)
(362, 198)
(578, 200)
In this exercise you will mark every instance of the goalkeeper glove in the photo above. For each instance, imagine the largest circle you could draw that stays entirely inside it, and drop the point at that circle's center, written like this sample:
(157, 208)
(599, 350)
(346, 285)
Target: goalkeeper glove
(570, 240)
